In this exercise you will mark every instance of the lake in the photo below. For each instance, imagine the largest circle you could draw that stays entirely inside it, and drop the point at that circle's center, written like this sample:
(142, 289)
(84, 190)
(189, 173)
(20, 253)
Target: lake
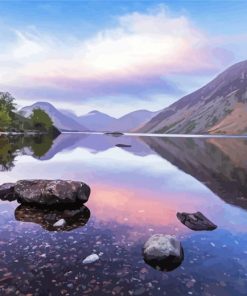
(136, 192)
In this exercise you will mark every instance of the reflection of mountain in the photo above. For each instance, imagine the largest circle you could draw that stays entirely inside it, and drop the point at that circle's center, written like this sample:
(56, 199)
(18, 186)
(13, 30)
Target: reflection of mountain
(95, 143)
(218, 163)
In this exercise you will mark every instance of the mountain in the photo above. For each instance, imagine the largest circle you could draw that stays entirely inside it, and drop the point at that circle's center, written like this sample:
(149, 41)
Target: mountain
(97, 121)
(134, 120)
(60, 120)
(220, 107)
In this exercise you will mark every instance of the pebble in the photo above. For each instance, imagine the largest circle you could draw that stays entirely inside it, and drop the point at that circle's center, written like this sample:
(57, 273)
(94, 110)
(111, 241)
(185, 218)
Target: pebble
(91, 259)
(59, 223)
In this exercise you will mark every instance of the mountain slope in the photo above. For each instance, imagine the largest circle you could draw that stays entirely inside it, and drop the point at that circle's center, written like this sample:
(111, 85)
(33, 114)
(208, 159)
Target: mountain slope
(134, 120)
(220, 107)
(60, 120)
(96, 121)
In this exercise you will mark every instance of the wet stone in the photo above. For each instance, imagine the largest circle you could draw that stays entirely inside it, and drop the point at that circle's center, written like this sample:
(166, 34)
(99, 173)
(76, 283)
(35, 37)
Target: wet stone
(7, 191)
(163, 252)
(51, 192)
(196, 221)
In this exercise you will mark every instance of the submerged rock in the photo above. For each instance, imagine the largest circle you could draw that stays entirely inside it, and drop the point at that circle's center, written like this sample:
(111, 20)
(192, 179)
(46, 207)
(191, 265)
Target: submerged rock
(91, 259)
(51, 192)
(196, 221)
(163, 252)
(53, 219)
(7, 191)
(123, 145)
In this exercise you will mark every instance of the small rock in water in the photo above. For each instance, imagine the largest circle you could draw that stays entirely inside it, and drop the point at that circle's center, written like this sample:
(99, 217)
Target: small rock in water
(196, 221)
(91, 259)
(7, 191)
(163, 252)
(59, 223)
(123, 145)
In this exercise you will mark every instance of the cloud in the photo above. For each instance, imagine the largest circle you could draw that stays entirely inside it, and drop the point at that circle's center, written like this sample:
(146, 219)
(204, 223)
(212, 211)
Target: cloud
(134, 57)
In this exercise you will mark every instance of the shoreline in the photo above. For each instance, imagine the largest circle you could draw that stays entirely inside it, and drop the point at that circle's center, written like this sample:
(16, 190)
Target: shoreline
(20, 133)
(131, 134)
(164, 135)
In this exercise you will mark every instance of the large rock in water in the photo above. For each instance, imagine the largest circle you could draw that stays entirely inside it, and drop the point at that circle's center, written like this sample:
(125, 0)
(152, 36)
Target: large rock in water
(51, 192)
(7, 191)
(163, 252)
(196, 221)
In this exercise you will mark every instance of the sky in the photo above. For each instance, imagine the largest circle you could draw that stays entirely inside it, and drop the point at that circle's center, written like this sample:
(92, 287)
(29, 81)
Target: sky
(116, 56)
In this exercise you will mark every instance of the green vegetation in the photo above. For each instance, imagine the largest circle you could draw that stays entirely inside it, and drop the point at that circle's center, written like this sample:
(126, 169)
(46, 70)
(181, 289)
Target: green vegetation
(10, 121)
(5, 119)
(41, 120)
(7, 108)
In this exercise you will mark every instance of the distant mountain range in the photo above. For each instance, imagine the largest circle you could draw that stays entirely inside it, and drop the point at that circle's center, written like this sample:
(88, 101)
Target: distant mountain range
(220, 107)
(92, 121)
(60, 120)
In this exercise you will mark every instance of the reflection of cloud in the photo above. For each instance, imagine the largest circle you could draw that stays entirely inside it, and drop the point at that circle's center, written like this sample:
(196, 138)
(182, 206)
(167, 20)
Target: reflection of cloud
(128, 58)
(141, 206)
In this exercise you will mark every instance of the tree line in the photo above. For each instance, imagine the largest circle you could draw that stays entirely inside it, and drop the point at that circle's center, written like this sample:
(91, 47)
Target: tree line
(10, 120)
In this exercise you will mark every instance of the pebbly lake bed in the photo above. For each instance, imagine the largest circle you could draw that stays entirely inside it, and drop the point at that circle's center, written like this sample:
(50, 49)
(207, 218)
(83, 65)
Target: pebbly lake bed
(138, 184)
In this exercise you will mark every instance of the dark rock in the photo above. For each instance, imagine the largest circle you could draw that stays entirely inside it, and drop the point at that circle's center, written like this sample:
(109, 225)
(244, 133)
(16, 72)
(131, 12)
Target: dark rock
(51, 192)
(122, 145)
(115, 134)
(163, 252)
(47, 217)
(196, 221)
(7, 191)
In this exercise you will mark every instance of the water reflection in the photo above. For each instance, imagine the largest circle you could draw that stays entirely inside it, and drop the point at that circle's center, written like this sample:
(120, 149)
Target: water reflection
(220, 164)
(12, 146)
(45, 217)
(136, 192)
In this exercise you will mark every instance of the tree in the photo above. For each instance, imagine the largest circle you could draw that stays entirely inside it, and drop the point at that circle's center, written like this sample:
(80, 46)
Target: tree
(7, 108)
(5, 119)
(7, 102)
(41, 120)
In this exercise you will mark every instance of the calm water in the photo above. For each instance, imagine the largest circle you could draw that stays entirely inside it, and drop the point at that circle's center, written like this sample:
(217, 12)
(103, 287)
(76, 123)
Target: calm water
(136, 192)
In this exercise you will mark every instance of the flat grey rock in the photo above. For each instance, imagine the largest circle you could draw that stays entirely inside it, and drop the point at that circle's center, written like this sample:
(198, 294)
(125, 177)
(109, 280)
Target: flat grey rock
(196, 221)
(163, 252)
